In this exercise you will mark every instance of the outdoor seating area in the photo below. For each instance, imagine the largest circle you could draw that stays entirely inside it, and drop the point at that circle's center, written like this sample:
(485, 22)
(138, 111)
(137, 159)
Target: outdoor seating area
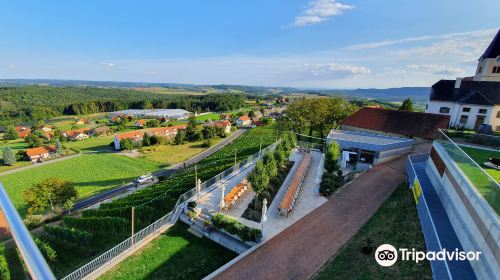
(232, 197)
(288, 202)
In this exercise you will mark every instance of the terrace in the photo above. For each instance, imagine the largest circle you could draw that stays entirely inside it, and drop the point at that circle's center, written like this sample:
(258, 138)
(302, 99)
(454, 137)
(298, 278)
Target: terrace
(470, 161)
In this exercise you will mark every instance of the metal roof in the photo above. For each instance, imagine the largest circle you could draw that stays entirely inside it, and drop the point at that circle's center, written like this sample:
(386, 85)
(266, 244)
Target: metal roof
(368, 141)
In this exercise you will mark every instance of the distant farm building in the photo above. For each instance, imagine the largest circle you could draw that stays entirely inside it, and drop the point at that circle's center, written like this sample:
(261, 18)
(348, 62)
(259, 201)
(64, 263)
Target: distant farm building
(152, 113)
(243, 121)
(138, 135)
(40, 153)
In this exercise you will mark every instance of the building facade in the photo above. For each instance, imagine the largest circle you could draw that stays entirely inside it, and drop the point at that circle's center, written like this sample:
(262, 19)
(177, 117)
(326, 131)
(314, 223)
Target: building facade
(471, 101)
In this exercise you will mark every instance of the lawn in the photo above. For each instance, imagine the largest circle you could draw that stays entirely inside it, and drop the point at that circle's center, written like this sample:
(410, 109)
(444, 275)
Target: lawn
(395, 223)
(15, 145)
(91, 173)
(480, 156)
(209, 116)
(176, 254)
(91, 144)
(172, 154)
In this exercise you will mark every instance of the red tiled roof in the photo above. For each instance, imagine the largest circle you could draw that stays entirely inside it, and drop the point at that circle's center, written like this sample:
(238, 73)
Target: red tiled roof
(222, 123)
(39, 151)
(138, 134)
(244, 118)
(75, 132)
(412, 124)
(141, 122)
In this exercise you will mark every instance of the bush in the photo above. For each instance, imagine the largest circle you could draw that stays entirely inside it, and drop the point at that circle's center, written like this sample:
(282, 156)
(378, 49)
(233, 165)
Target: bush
(234, 227)
(4, 268)
(32, 221)
(207, 143)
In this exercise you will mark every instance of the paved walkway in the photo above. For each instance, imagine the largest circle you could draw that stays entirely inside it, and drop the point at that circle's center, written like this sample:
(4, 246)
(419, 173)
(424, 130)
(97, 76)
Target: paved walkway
(300, 250)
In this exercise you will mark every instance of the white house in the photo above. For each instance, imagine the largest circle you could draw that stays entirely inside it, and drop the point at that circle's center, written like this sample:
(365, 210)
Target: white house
(243, 121)
(471, 101)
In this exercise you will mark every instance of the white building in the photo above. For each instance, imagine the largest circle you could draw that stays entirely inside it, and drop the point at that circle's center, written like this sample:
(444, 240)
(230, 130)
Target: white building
(471, 101)
(152, 113)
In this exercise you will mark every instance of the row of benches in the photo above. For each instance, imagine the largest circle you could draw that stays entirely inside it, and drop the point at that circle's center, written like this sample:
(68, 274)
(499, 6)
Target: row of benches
(292, 193)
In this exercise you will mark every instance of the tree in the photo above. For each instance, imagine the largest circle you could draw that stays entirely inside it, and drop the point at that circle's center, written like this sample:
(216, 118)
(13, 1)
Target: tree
(50, 192)
(259, 177)
(332, 156)
(251, 114)
(47, 251)
(180, 137)
(407, 105)
(126, 144)
(270, 164)
(146, 139)
(9, 158)
(33, 141)
(59, 148)
(208, 132)
(153, 123)
(191, 134)
(10, 133)
(279, 155)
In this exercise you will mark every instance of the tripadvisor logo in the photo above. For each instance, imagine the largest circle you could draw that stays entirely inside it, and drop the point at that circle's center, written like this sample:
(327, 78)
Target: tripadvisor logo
(387, 255)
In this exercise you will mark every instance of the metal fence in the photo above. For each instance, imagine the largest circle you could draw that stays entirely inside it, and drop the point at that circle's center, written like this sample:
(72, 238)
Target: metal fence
(110, 257)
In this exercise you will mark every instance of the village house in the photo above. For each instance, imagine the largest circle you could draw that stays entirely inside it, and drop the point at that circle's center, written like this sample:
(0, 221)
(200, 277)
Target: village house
(76, 134)
(243, 121)
(46, 128)
(38, 154)
(81, 121)
(137, 136)
(140, 123)
(471, 101)
(226, 125)
(23, 131)
(102, 130)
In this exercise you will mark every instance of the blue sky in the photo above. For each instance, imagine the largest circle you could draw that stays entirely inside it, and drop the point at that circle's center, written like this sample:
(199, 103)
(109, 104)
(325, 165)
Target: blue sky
(300, 43)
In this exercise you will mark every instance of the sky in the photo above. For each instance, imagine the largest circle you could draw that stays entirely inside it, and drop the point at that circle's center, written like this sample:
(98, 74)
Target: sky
(296, 43)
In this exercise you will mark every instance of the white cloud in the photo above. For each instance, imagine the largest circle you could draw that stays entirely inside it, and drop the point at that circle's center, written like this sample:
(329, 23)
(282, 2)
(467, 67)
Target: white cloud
(319, 11)
(436, 69)
(321, 69)
(108, 64)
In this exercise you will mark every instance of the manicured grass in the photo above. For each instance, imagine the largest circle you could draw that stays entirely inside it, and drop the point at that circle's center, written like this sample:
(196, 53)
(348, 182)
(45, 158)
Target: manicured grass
(176, 254)
(15, 145)
(172, 154)
(91, 144)
(90, 173)
(395, 223)
(480, 156)
(209, 116)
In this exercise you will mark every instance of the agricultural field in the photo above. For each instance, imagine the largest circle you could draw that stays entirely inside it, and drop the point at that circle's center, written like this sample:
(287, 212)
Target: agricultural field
(163, 90)
(173, 154)
(209, 116)
(396, 222)
(156, 201)
(176, 253)
(90, 173)
(91, 144)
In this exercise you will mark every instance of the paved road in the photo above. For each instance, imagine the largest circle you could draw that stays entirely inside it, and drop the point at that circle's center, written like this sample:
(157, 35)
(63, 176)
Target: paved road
(166, 172)
(300, 250)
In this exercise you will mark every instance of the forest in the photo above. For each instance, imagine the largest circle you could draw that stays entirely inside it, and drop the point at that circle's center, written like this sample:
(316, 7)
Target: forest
(32, 103)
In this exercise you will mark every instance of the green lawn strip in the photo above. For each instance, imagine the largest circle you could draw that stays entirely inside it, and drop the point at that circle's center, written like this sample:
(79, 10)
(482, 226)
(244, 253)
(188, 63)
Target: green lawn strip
(91, 174)
(91, 144)
(209, 116)
(481, 156)
(176, 254)
(395, 223)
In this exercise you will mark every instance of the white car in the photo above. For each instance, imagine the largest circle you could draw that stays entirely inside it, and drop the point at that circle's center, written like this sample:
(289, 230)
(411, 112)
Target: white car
(144, 178)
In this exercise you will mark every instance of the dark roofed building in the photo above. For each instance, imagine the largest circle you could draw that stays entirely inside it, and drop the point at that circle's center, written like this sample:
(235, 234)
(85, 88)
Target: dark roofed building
(410, 124)
(472, 101)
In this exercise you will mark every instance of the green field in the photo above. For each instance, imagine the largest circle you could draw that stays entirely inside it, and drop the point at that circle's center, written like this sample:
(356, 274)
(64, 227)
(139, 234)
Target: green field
(395, 223)
(90, 173)
(176, 254)
(15, 145)
(91, 144)
(209, 116)
(172, 154)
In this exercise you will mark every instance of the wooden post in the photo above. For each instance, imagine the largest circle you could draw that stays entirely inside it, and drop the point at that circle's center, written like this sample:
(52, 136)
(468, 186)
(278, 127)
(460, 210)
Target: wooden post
(133, 224)
(195, 174)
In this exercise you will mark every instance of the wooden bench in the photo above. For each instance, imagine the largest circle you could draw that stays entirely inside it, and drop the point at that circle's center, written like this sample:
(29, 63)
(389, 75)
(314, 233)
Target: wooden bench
(292, 193)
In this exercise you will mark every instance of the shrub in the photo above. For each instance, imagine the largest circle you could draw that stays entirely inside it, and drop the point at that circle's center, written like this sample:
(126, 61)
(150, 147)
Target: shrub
(4, 269)
(32, 221)
(234, 227)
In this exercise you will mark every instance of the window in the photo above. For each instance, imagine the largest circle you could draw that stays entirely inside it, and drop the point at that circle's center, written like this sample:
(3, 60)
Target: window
(483, 111)
(466, 109)
(480, 69)
(497, 128)
(496, 69)
(498, 115)
(444, 110)
(463, 119)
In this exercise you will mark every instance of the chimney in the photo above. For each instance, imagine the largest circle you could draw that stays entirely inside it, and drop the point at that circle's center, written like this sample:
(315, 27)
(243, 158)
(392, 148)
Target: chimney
(458, 82)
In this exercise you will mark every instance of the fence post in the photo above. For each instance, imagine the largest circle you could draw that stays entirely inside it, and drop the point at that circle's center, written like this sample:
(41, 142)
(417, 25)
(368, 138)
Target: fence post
(133, 225)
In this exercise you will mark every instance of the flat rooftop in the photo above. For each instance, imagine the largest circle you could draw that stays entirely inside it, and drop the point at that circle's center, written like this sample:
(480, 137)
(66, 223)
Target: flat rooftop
(368, 141)
(151, 112)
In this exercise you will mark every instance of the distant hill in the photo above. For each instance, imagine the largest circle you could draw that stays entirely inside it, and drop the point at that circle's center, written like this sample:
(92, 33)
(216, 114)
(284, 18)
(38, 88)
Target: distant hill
(418, 94)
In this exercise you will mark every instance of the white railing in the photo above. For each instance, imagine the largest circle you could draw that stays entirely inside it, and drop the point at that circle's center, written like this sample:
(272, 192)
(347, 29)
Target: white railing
(111, 257)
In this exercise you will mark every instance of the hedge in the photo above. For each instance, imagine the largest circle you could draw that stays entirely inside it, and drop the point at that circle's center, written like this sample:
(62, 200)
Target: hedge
(99, 225)
(4, 269)
(234, 227)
